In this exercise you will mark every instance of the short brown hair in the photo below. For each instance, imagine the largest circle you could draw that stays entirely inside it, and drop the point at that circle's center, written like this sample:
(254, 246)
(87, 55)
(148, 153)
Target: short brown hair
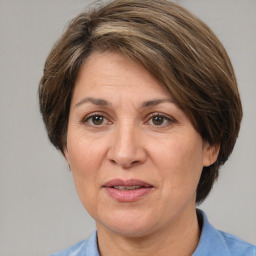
(178, 49)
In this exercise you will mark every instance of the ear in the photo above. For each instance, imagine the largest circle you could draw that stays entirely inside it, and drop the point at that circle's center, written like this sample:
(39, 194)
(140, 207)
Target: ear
(211, 153)
(66, 154)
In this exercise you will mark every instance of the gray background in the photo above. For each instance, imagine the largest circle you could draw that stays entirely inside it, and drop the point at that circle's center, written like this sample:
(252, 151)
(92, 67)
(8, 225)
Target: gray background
(39, 209)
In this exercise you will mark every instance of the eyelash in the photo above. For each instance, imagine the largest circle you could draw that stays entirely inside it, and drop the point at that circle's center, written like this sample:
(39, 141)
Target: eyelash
(88, 118)
(166, 118)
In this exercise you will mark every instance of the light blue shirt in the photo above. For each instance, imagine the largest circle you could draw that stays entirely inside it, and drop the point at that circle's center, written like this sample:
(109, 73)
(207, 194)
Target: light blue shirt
(212, 243)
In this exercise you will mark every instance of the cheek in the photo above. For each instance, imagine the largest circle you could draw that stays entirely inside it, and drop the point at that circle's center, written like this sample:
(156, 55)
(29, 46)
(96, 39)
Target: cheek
(180, 162)
(84, 153)
(85, 159)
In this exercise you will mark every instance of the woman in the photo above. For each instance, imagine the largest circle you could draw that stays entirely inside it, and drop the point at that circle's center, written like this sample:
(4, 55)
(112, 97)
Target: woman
(135, 94)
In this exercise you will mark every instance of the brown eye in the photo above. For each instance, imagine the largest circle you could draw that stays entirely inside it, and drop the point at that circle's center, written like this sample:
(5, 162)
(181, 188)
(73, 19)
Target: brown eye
(97, 120)
(158, 120)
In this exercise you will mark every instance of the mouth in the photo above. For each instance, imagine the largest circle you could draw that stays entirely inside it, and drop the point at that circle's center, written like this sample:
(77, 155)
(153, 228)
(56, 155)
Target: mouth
(127, 190)
(124, 188)
(127, 184)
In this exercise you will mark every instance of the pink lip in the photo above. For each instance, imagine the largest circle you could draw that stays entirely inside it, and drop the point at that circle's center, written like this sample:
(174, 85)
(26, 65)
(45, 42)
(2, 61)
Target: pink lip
(127, 195)
(131, 182)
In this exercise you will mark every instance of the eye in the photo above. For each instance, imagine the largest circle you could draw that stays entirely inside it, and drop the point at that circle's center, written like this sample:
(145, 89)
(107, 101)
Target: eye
(159, 120)
(96, 120)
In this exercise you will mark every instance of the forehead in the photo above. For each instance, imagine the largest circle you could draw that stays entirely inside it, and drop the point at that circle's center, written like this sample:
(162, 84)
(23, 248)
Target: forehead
(112, 73)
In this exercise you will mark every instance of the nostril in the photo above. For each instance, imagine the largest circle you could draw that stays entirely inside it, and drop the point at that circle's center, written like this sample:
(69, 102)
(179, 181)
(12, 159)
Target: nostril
(126, 165)
(113, 161)
(131, 164)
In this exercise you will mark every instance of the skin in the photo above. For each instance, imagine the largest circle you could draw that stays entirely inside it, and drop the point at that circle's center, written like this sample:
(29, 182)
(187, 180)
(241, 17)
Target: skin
(125, 141)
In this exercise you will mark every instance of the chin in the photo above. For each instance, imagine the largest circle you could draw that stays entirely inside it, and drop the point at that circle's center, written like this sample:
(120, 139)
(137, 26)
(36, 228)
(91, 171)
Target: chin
(129, 224)
(131, 230)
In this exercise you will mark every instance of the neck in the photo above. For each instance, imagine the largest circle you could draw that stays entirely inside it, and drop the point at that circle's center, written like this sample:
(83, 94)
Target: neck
(179, 239)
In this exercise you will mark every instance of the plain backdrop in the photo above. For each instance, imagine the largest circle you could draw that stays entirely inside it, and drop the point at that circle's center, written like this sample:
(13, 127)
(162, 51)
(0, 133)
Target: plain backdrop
(40, 212)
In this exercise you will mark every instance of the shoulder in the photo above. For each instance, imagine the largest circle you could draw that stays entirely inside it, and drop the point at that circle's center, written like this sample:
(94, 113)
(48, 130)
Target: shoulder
(215, 242)
(84, 248)
(237, 246)
(71, 250)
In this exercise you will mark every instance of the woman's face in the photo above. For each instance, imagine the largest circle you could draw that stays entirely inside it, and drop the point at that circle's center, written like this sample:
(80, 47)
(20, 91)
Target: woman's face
(135, 157)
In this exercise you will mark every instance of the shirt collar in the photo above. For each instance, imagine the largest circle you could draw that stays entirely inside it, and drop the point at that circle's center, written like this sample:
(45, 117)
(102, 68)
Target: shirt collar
(91, 247)
(211, 242)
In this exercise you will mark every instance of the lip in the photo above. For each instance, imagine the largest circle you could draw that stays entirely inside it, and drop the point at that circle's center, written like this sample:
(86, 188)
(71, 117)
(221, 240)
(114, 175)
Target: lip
(131, 182)
(127, 195)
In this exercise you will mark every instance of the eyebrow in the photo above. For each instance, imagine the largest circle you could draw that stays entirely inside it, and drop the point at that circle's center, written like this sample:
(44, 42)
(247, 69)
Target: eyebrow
(95, 101)
(102, 102)
(151, 103)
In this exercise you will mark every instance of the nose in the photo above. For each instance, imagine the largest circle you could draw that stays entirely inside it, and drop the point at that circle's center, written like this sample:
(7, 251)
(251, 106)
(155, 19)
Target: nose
(127, 148)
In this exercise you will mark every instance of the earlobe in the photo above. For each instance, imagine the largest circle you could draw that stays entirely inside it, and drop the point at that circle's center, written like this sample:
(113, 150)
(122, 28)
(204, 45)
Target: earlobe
(211, 154)
(66, 154)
